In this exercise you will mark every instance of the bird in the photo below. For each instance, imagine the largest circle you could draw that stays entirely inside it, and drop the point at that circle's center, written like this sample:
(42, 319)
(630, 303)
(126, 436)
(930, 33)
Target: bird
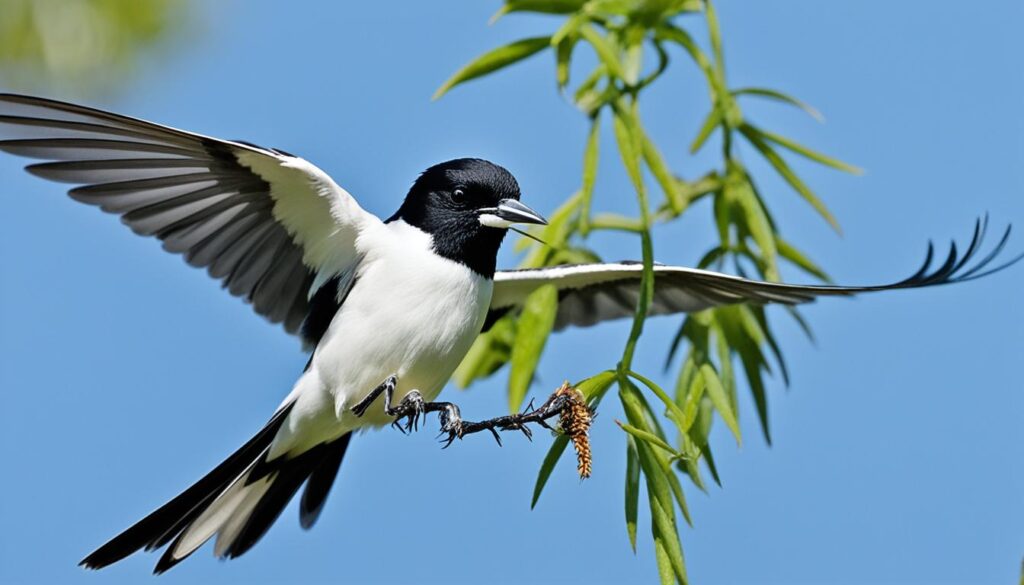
(386, 308)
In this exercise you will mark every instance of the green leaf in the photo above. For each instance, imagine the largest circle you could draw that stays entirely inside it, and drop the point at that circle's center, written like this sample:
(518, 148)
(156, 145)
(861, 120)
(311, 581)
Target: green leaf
(647, 437)
(666, 574)
(594, 387)
(757, 222)
(789, 252)
(672, 33)
(614, 221)
(540, 6)
(632, 490)
(533, 328)
(590, 158)
(493, 60)
(715, 390)
(664, 527)
(564, 41)
(715, 35)
(606, 52)
(550, 460)
(787, 173)
(808, 153)
(674, 412)
(782, 97)
(489, 352)
(666, 180)
(634, 38)
(711, 122)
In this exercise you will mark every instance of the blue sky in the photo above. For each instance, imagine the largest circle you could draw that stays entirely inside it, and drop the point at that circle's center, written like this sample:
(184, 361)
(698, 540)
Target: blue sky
(897, 452)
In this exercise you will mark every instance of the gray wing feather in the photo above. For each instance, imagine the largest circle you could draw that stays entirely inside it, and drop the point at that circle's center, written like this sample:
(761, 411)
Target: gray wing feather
(190, 191)
(592, 293)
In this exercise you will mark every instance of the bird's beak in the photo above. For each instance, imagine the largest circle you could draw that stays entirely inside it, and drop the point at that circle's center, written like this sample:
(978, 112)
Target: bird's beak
(509, 212)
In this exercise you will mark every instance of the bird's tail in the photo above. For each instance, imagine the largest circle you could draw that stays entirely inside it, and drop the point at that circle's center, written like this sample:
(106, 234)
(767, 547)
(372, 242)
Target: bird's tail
(237, 502)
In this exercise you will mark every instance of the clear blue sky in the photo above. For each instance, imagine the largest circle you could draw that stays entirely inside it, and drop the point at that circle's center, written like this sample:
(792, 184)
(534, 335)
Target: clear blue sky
(898, 447)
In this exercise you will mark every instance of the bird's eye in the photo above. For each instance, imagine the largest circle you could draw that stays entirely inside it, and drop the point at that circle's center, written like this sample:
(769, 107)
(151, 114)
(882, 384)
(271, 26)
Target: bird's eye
(458, 196)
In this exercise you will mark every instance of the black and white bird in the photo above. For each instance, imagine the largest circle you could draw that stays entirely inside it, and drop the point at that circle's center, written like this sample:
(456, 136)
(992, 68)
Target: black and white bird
(387, 307)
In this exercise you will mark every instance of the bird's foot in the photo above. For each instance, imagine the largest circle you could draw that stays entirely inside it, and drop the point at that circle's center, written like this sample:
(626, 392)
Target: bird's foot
(387, 387)
(410, 408)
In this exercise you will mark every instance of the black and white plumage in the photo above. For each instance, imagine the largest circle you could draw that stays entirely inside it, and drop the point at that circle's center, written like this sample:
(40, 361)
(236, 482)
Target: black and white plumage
(403, 297)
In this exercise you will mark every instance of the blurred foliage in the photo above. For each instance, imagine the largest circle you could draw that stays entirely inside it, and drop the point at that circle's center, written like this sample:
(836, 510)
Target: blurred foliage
(80, 46)
(666, 432)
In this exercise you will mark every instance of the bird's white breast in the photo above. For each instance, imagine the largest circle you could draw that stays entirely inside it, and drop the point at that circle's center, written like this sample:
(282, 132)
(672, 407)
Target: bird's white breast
(410, 313)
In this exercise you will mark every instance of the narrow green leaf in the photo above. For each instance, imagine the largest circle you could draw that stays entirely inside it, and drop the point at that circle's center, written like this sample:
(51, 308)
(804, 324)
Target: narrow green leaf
(664, 526)
(757, 222)
(808, 153)
(666, 574)
(550, 460)
(489, 352)
(691, 405)
(590, 158)
(627, 138)
(709, 459)
(614, 221)
(493, 60)
(804, 325)
(634, 38)
(782, 97)
(787, 173)
(757, 390)
(533, 328)
(669, 32)
(715, 35)
(791, 253)
(563, 56)
(647, 437)
(712, 121)
(594, 387)
(632, 490)
(674, 412)
(666, 180)
(728, 374)
(541, 6)
(715, 390)
(606, 52)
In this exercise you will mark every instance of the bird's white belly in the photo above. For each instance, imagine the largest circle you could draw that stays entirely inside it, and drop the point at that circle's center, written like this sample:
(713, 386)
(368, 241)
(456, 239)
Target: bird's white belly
(411, 314)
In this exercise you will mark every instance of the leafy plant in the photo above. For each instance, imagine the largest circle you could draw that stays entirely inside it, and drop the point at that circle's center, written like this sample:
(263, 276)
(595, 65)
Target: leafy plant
(666, 432)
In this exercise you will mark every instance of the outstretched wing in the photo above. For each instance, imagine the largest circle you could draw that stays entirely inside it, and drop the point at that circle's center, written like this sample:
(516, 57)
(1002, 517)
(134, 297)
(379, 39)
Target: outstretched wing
(591, 293)
(270, 226)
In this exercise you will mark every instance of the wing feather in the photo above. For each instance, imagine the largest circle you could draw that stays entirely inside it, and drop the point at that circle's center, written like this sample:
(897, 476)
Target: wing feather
(263, 222)
(592, 293)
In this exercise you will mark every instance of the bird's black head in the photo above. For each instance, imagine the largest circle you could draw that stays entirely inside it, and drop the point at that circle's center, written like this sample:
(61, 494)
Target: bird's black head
(466, 205)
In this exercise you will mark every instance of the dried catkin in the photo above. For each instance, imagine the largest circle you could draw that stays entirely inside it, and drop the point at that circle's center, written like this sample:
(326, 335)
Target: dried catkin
(575, 421)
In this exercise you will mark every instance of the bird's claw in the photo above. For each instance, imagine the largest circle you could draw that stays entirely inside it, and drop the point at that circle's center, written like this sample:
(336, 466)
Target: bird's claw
(410, 409)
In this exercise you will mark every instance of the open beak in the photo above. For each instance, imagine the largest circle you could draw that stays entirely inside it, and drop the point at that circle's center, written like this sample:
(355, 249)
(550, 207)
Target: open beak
(510, 212)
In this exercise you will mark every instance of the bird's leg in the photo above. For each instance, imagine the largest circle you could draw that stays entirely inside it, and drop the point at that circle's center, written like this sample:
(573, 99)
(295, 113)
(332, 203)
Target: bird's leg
(456, 428)
(410, 408)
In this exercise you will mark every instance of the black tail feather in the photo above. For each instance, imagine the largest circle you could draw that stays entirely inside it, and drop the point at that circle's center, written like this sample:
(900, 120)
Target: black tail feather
(320, 482)
(164, 523)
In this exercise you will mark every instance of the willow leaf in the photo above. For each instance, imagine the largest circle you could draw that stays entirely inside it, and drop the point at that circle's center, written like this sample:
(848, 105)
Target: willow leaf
(493, 60)
(808, 153)
(715, 390)
(787, 173)
(534, 327)
(782, 97)
(632, 490)
(550, 460)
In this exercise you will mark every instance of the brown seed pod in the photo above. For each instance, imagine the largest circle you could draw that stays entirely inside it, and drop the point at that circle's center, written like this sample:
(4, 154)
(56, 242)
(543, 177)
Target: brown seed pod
(575, 420)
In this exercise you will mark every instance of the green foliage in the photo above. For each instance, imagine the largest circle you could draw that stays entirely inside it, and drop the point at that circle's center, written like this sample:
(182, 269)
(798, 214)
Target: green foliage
(80, 45)
(620, 33)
